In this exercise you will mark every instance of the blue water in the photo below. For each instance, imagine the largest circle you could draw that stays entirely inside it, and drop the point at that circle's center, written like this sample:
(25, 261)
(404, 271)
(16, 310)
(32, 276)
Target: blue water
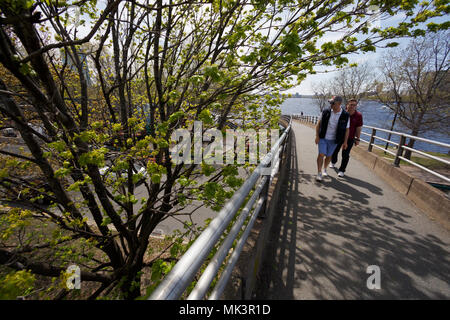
(375, 115)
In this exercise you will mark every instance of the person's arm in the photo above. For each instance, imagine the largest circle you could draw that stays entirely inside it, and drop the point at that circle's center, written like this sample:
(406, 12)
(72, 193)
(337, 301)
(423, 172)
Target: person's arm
(317, 131)
(357, 135)
(344, 145)
(347, 132)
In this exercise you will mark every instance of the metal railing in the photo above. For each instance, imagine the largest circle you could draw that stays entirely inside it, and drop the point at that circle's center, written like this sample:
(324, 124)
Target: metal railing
(400, 146)
(182, 274)
(311, 119)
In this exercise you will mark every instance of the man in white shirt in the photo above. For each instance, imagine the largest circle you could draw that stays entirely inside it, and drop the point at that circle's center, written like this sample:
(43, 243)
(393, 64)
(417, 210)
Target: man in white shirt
(331, 130)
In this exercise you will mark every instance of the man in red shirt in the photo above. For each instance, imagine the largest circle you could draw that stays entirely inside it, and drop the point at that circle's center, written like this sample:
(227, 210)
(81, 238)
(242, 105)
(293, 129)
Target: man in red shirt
(356, 123)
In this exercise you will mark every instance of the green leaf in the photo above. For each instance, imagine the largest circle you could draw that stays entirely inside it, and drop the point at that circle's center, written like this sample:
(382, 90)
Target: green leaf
(175, 116)
(210, 189)
(206, 117)
(16, 284)
(106, 220)
(156, 178)
(207, 169)
(213, 72)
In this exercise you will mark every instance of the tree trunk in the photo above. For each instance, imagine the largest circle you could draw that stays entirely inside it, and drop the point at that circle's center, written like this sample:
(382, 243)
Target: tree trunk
(407, 152)
(130, 286)
(410, 145)
(392, 128)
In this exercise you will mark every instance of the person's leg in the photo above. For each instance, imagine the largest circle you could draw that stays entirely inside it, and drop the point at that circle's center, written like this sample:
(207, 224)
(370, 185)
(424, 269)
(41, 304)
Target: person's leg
(327, 162)
(322, 153)
(320, 162)
(320, 157)
(319, 166)
(331, 146)
(346, 156)
(334, 157)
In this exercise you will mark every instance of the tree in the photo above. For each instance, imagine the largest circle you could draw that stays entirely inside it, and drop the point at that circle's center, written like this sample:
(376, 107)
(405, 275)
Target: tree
(349, 82)
(160, 64)
(415, 84)
(322, 93)
(353, 82)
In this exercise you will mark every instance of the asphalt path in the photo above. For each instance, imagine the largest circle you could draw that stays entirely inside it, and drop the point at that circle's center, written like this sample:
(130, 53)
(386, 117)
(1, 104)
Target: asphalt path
(326, 235)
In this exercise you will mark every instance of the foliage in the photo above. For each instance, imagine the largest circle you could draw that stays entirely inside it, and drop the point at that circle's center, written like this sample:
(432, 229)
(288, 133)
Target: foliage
(16, 284)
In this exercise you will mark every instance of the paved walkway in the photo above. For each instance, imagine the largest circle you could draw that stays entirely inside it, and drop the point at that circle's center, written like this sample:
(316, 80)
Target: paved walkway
(327, 233)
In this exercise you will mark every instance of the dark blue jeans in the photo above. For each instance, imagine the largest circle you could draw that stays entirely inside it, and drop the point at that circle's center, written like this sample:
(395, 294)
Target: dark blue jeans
(345, 155)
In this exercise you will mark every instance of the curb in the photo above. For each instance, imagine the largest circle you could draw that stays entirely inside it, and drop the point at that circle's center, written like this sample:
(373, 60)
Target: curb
(428, 199)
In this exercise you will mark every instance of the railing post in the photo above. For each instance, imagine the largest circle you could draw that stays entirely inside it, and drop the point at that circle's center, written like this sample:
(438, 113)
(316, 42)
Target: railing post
(399, 151)
(372, 139)
(264, 194)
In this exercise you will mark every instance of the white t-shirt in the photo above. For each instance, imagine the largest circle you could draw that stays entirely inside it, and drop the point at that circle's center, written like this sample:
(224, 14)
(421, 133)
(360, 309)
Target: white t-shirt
(332, 124)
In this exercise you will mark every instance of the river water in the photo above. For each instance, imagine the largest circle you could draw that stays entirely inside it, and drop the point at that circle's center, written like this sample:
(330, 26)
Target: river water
(375, 115)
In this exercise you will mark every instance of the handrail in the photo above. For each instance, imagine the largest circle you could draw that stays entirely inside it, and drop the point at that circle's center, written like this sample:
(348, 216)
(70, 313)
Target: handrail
(438, 143)
(208, 275)
(182, 274)
(401, 146)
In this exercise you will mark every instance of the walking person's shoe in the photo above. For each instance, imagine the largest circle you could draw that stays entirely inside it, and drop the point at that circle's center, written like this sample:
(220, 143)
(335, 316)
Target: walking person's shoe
(324, 173)
(340, 174)
(332, 165)
(319, 177)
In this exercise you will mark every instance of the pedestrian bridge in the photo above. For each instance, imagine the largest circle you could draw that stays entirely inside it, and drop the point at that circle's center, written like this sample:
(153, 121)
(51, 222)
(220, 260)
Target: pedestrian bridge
(320, 240)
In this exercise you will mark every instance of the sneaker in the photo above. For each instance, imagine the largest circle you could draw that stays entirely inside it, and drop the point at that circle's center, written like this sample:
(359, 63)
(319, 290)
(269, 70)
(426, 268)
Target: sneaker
(340, 174)
(324, 173)
(332, 165)
(319, 177)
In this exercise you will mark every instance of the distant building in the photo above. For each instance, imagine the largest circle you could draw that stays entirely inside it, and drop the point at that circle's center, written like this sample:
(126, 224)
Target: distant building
(368, 93)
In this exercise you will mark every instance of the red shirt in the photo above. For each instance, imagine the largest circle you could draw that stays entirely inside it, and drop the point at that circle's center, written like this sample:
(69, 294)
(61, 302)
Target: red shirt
(356, 120)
